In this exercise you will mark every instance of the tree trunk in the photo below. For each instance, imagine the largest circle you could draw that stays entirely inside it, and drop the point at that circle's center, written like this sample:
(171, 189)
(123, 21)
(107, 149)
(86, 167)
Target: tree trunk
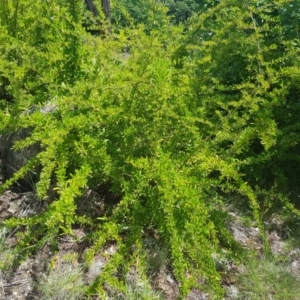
(106, 9)
(105, 6)
(91, 6)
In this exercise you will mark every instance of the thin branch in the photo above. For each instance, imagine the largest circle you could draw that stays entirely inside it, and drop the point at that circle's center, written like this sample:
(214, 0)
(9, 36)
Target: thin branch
(256, 31)
(14, 283)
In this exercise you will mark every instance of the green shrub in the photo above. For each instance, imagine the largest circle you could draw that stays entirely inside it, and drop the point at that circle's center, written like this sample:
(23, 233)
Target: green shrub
(188, 118)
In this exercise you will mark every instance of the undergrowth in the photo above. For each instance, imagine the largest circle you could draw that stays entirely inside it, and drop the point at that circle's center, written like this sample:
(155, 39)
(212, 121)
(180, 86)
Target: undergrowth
(63, 281)
(267, 278)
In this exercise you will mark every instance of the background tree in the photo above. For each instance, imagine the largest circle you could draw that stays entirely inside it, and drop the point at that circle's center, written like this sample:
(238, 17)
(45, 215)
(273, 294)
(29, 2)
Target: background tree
(150, 13)
(181, 10)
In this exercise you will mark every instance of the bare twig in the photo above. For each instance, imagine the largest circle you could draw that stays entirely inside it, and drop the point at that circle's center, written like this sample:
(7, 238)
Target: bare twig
(14, 283)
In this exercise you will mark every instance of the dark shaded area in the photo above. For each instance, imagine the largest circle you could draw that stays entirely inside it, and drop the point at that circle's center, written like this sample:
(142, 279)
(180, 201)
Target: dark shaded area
(98, 201)
(4, 94)
(91, 21)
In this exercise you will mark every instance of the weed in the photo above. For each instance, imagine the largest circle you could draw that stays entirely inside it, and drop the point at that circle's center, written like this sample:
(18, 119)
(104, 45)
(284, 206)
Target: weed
(157, 259)
(6, 253)
(267, 279)
(64, 281)
(138, 292)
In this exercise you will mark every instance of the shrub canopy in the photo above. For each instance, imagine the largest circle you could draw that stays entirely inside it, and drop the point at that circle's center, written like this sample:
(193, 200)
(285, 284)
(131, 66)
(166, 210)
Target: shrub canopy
(173, 119)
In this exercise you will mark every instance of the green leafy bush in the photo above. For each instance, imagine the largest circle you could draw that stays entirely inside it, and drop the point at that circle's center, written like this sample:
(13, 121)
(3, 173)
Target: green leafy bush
(243, 70)
(182, 120)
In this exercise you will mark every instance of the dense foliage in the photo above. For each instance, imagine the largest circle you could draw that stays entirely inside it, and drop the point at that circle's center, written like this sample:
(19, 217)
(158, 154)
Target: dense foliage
(152, 12)
(175, 120)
